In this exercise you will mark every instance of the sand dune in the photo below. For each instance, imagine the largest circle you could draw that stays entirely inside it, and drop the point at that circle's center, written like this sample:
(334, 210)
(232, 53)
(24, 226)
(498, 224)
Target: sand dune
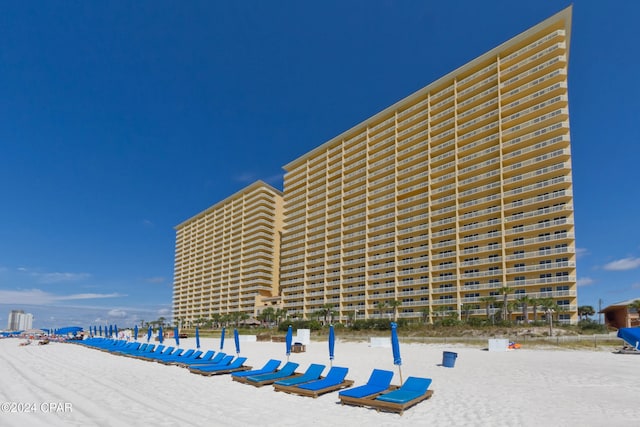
(67, 385)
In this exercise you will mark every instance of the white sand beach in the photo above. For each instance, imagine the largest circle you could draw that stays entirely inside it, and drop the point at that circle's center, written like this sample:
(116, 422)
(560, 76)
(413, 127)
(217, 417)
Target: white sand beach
(70, 385)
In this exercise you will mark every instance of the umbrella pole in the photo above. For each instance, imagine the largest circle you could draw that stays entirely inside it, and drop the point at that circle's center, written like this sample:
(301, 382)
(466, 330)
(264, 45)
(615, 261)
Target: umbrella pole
(400, 372)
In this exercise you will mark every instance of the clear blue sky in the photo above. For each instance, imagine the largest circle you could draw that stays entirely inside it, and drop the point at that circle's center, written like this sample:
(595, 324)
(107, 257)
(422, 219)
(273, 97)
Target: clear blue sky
(119, 120)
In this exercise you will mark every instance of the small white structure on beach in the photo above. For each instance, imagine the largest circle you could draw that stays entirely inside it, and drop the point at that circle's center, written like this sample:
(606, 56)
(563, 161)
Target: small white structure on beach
(498, 344)
(303, 336)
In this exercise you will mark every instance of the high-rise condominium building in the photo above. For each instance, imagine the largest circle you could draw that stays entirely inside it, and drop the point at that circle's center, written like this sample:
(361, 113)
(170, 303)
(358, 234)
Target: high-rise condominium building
(446, 200)
(439, 205)
(226, 257)
(19, 320)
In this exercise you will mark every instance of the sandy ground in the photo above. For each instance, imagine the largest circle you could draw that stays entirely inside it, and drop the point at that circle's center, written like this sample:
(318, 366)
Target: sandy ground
(70, 385)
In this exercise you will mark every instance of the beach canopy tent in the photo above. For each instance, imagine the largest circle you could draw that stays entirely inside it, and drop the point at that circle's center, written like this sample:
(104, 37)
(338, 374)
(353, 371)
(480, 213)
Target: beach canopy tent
(631, 336)
(69, 330)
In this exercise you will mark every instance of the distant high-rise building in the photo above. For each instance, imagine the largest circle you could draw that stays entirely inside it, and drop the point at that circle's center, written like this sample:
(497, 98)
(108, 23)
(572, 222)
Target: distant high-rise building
(227, 257)
(19, 320)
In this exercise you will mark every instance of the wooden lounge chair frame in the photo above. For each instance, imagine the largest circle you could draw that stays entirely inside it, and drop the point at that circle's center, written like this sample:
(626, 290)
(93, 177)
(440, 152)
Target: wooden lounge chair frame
(312, 373)
(297, 389)
(364, 401)
(221, 371)
(269, 368)
(272, 376)
(269, 381)
(381, 405)
(312, 393)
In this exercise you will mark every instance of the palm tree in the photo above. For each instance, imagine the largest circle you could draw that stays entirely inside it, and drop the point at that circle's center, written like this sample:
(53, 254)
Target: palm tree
(511, 307)
(215, 318)
(242, 316)
(394, 304)
(534, 302)
(440, 311)
(280, 314)
(327, 312)
(505, 291)
(635, 305)
(380, 305)
(425, 315)
(584, 311)
(267, 315)
(224, 319)
(558, 310)
(549, 305)
(466, 310)
(177, 321)
(488, 301)
(524, 302)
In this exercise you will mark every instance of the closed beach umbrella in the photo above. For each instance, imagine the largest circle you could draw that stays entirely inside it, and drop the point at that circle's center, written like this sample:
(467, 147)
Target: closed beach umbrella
(115, 330)
(176, 336)
(135, 332)
(222, 339)
(236, 339)
(149, 332)
(332, 344)
(288, 340)
(160, 335)
(395, 347)
(197, 337)
(99, 330)
(110, 331)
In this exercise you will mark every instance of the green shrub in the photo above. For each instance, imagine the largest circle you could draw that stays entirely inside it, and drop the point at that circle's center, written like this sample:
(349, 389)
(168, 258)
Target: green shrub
(592, 326)
(313, 325)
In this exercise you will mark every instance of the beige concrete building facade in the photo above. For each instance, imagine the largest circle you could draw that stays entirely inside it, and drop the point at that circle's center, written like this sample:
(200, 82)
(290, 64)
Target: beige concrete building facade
(227, 257)
(456, 194)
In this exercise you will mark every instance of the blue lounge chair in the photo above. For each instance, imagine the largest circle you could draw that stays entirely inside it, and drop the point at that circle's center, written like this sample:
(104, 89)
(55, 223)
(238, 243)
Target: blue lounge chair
(186, 355)
(129, 348)
(268, 368)
(148, 352)
(312, 373)
(112, 345)
(149, 348)
(160, 357)
(287, 371)
(202, 357)
(413, 391)
(185, 359)
(335, 380)
(378, 382)
(208, 370)
(218, 358)
(155, 355)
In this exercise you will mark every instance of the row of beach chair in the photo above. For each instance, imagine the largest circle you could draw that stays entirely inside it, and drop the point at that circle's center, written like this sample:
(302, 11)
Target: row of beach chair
(377, 393)
(195, 360)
